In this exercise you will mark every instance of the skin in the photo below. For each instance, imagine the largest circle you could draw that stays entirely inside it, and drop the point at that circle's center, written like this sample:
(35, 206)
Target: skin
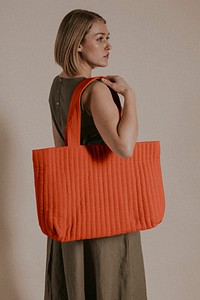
(119, 134)
(95, 48)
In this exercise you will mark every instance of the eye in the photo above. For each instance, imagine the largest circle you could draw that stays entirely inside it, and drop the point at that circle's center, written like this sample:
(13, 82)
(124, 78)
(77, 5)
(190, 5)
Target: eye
(100, 39)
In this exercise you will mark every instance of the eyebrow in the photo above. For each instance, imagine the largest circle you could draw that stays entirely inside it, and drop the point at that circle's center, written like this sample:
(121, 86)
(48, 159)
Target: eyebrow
(103, 33)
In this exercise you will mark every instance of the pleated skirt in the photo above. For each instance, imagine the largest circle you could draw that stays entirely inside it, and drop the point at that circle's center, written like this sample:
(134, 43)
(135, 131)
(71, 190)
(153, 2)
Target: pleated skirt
(109, 268)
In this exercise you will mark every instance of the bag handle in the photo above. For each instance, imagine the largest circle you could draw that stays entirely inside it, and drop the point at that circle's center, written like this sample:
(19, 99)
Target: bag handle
(73, 126)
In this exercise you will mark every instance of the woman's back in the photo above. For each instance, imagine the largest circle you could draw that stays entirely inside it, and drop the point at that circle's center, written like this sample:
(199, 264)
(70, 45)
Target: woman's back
(59, 100)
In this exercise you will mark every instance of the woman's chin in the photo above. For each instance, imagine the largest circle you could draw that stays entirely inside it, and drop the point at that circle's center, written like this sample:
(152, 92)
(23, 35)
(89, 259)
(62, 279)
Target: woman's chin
(99, 66)
(104, 64)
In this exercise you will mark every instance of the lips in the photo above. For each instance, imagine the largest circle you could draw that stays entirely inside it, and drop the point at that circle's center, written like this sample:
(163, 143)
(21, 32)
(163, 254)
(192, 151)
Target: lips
(106, 56)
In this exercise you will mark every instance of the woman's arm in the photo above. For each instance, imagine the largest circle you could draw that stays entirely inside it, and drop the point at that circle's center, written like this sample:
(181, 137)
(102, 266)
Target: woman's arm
(119, 134)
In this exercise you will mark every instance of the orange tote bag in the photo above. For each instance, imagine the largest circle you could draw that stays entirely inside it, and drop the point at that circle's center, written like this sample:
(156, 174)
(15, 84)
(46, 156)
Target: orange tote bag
(87, 191)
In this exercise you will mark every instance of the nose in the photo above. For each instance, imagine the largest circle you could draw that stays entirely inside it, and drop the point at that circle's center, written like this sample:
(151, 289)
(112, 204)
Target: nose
(108, 46)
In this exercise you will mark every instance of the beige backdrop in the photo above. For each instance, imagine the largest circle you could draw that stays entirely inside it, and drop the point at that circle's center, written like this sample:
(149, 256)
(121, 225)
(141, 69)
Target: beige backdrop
(156, 47)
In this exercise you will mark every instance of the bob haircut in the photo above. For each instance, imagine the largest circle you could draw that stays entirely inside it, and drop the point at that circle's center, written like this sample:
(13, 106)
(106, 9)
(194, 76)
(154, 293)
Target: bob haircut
(71, 33)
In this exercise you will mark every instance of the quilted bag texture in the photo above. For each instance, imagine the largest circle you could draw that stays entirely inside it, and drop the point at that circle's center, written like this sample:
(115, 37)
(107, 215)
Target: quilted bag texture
(87, 191)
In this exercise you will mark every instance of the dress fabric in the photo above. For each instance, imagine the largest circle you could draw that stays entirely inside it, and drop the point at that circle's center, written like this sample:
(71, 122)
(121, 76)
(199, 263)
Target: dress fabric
(108, 268)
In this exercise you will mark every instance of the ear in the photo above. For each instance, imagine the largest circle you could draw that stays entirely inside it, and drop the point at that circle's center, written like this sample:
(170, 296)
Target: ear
(80, 48)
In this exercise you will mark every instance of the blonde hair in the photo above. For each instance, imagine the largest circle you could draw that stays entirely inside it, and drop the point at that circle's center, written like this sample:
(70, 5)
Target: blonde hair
(71, 33)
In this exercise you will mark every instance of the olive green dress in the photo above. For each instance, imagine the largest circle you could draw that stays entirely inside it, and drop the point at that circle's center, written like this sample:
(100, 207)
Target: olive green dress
(109, 268)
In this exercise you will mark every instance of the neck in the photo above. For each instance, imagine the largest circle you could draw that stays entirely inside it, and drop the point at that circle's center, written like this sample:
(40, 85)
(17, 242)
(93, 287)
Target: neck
(85, 70)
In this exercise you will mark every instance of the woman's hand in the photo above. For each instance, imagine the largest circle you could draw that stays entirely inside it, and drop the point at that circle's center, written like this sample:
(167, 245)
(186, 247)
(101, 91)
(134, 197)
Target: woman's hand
(118, 84)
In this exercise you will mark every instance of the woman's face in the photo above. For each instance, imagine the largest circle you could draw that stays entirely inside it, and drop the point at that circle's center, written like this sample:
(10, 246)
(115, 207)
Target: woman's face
(95, 48)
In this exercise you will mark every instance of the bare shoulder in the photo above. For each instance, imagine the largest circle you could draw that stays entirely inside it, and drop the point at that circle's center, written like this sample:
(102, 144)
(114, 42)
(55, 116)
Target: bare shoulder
(96, 90)
(98, 86)
(97, 99)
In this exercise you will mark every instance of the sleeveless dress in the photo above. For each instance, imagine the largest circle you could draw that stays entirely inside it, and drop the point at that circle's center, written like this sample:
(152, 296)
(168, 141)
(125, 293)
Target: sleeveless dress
(109, 268)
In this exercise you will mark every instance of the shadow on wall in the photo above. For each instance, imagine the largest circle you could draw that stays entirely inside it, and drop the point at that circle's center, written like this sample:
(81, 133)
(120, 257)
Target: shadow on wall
(8, 286)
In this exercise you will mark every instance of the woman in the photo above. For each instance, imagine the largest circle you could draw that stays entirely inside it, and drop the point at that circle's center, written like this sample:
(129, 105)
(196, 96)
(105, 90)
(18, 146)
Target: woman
(109, 268)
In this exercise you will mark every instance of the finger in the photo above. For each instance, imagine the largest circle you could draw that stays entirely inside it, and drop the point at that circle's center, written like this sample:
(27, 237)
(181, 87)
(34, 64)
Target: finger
(107, 82)
(112, 77)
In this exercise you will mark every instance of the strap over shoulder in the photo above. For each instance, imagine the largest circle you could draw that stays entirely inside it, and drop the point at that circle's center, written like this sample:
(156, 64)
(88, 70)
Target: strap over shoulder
(73, 126)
